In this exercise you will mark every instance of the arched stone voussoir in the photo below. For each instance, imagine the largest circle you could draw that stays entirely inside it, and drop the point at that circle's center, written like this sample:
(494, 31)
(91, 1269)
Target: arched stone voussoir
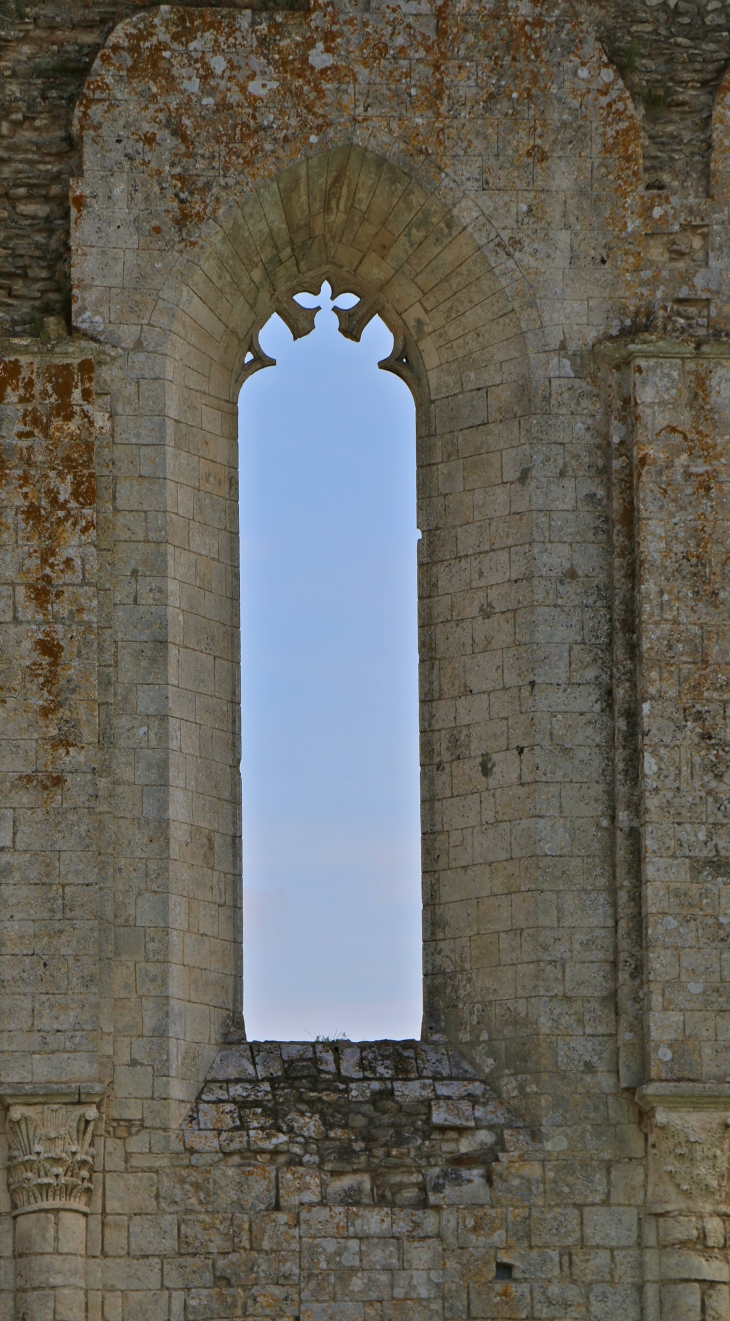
(356, 217)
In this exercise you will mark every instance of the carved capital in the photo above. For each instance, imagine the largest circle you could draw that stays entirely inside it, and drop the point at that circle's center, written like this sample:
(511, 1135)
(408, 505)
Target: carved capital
(50, 1158)
(689, 1160)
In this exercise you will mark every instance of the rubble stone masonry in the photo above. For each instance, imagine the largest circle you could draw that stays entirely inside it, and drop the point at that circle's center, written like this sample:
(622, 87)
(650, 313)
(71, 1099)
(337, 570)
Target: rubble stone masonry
(535, 199)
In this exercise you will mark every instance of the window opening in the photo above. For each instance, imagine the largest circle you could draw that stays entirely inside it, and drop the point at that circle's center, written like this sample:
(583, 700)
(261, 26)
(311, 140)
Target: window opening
(331, 827)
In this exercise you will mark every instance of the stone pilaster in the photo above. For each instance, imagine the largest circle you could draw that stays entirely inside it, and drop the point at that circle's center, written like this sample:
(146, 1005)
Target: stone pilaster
(686, 1269)
(682, 514)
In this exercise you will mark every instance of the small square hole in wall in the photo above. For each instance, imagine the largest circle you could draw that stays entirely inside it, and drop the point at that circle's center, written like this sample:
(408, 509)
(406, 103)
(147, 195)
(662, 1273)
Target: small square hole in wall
(504, 1270)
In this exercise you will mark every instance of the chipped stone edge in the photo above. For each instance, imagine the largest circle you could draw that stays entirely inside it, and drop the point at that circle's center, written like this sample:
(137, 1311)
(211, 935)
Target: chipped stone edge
(70, 346)
(626, 351)
(683, 1095)
(33, 1093)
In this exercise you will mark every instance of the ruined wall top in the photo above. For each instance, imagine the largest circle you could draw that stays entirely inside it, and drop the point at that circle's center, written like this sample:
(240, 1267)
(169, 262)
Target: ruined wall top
(671, 53)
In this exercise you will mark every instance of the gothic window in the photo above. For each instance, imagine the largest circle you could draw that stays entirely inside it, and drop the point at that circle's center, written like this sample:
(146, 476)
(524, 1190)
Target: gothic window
(331, 833)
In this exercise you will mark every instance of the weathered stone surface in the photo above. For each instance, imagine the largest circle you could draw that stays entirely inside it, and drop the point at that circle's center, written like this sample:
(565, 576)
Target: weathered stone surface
(50, 1155)
(480, 176)
(672, 54)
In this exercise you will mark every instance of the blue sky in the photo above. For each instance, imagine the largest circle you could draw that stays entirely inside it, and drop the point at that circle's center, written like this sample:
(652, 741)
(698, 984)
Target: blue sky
(332, 908)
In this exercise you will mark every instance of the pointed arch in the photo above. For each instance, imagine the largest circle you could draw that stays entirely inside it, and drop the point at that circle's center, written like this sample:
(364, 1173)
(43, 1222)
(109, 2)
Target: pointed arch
(364, 223)
(345, 215)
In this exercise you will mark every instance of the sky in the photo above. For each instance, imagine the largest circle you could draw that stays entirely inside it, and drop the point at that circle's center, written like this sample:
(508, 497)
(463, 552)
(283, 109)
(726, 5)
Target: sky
(331, 836)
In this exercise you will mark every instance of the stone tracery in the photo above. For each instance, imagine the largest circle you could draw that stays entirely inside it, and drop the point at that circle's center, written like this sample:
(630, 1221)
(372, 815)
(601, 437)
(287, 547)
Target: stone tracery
(403, 359)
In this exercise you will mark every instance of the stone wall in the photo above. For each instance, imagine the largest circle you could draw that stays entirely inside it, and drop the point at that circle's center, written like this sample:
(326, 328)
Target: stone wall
(55, 460)
(557, 1144)
(672, 54)
(47, 49)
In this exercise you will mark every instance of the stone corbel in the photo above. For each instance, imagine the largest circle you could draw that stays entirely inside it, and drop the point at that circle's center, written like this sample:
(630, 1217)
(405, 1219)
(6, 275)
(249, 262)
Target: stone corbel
(50, 1147)
(688, 1127)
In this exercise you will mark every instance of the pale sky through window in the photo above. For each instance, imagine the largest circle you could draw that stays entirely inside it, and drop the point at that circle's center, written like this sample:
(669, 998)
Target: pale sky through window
(332, 904)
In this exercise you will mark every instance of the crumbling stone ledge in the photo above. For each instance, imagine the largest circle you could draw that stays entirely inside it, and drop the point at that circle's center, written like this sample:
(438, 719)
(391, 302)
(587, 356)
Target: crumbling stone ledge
(390, 1123)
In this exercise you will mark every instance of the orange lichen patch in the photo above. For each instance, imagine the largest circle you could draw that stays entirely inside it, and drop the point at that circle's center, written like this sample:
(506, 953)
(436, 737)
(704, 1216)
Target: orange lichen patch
(622, 147)
(41, 594)
(32, 425)
(225, 93)
(525, 49)
(45, 786)
(643, 457)
(77, 199)
(49, 460)
(44, 780)
(226, 96)
(46, 670)
(69, 383)
(17, 381)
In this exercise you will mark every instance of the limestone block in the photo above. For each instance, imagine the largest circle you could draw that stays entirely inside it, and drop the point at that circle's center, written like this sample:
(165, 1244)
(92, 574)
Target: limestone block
(681, 1302)
(610, 1227)
(717, 1303)
(131, 1193)
(6, 828)
(689, 1160)
(71, 1233)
